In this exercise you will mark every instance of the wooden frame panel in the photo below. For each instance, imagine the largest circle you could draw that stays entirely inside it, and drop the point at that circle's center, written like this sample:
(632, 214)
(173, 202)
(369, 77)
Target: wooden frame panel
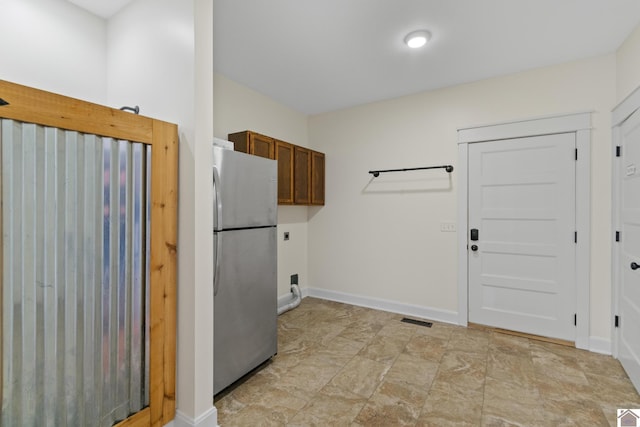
(45, 108)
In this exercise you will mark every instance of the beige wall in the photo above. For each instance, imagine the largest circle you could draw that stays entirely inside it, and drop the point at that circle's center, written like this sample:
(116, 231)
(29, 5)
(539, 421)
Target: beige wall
(628, 66)
(381, 238)
(238, 108)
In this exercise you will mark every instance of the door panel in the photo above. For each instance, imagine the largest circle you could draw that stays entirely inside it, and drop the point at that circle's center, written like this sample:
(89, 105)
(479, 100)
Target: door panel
(629, 290)
(261, 146)
(302, 176)
(522, 201)
(284, 156)
(317, 178)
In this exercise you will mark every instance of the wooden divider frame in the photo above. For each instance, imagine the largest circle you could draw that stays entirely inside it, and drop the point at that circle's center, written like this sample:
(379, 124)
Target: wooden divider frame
(31, 105)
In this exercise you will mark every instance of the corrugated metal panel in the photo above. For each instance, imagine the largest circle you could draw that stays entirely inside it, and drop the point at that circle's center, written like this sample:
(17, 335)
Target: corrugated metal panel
(75, 277)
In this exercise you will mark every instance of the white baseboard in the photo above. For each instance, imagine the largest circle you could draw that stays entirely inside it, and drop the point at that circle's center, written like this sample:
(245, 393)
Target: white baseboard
(600, 345)
(208, 419)
(304, 292)
(428, 313)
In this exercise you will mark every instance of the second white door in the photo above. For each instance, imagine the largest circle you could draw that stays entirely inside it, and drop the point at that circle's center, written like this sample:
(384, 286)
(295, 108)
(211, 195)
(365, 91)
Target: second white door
(628, 263)
(522, 256)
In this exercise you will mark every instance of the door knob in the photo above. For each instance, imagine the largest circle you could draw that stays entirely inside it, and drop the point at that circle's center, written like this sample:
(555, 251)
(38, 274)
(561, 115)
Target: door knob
(635, 266)
(475, 248)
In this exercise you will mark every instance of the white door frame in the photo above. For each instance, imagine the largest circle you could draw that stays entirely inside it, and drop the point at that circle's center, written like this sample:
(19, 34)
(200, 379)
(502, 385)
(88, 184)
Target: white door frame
(619, 115)
(578, 123)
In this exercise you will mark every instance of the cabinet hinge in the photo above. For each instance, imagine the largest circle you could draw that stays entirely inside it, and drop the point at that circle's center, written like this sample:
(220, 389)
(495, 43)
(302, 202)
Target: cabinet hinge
(618, 151)
(576, 154)
(617, 236)
(575, 237)
(575, 320)
(616, 321)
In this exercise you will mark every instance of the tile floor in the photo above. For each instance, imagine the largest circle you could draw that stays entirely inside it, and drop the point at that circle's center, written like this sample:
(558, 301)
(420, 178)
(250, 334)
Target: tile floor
(341, 365)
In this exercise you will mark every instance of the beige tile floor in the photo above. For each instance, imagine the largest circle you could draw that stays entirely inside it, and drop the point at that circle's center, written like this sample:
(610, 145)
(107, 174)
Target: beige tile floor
(341, 365)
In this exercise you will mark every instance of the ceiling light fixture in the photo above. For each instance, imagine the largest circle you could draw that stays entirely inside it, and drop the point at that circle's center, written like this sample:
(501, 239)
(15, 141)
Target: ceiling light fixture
(416, 39)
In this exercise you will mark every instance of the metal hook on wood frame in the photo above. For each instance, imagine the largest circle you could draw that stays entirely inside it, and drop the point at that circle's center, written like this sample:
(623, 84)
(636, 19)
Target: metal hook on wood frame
(135, 110)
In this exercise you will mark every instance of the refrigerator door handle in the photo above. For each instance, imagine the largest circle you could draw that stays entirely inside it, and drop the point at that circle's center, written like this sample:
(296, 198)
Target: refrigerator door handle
(218, 201)
(218, 220)
(217, 264)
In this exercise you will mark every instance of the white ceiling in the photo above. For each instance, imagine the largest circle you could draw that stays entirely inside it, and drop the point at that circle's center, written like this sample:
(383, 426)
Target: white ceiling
(322, 55)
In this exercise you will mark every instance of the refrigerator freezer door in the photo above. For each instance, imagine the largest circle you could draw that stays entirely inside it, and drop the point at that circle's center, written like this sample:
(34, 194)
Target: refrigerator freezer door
(246, 190)
(245, 307)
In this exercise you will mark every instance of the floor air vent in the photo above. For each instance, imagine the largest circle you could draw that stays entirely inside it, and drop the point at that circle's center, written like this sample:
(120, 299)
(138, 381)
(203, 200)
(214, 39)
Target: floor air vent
(417, 322)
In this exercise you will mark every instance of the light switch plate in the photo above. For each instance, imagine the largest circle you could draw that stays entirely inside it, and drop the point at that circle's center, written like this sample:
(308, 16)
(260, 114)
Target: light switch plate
(447, 227)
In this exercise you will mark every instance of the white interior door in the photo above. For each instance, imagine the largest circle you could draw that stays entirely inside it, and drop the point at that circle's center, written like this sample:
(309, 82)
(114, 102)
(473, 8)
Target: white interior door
(629, 256)
(522, 265)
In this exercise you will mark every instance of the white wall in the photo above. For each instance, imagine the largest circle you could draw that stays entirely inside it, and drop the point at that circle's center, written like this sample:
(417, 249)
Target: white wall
(160, 57)
(381, 238)
(157, 54)
(53, 45)
(238, 108)
(628, 65)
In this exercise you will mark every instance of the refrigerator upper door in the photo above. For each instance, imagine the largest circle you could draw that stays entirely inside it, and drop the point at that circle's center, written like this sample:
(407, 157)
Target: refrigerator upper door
(245, 190)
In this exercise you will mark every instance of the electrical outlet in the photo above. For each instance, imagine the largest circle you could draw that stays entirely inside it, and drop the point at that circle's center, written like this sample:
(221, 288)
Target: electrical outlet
(286, 235)
(447, 226)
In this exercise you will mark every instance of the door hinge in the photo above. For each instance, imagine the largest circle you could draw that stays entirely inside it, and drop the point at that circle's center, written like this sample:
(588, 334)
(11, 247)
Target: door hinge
(575, 320)
(576, 154)
(617, 236)
(575, 237)
(616, 321)
(618, 151)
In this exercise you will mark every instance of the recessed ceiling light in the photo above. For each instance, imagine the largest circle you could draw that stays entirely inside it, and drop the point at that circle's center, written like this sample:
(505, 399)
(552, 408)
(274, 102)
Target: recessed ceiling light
(416, 39)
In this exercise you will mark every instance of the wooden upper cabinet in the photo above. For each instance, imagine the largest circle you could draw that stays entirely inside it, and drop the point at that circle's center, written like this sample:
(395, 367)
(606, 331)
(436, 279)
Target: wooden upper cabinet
(284, 156)
(300, 170)
(302, 175)
(240, 141)
(253, 143)
(317, 178)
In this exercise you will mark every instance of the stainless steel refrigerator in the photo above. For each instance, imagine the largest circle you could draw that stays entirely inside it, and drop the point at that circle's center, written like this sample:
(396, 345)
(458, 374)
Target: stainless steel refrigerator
(245, 264)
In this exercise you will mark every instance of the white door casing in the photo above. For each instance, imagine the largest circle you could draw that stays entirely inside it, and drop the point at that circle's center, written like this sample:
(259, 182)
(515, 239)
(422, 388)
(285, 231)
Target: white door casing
(626, 249)
(579, 124)
(522, 204)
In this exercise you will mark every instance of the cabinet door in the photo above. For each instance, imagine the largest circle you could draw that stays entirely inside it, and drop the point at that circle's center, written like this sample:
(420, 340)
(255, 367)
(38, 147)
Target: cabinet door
(302, 176)
(317, 178)
(284, 156)
(261, 145)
